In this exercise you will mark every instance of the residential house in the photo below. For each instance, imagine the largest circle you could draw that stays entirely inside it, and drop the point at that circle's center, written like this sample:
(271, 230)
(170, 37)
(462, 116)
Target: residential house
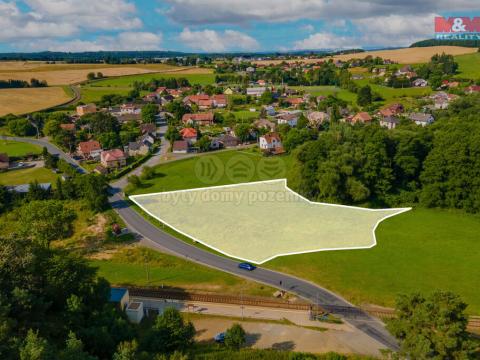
(189, 135)
(404, 70)
(271, 142)
(138, 148)
(422, 119)
(205, 104)
(316, 118)
(130, 109)
(113, 158)
(89, 149)
(264, 124)
(228, 91)
(270, 110)
(4, 161)
(219, 101)
(250, 69)
(295, 102)
(450, 84)
(180, 147)
(86, 109)
(225, 141)
(152, 98)
(195, 99)
(290, 118)
(200, 119)
(361, 117)
(390, 122)
(176, 93)
(472, 89)
(148, 129)
(391, 110)
(261, 82)
(162, 90)
(256, 91)
(68, 127)
(420, 83)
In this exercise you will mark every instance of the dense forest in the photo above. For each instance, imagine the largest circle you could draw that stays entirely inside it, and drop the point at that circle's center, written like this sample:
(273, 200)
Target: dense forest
(436, 166)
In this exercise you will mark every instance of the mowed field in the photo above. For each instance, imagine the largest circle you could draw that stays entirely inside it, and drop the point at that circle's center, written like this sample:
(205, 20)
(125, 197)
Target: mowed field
(422, 250)
(26, 176)
(402, 56)
(22, 101)
(469, 66)
(18, 149)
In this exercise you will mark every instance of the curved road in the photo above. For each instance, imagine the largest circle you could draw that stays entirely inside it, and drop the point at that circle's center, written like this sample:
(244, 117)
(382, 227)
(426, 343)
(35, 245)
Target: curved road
(166, 242)
(309, 291)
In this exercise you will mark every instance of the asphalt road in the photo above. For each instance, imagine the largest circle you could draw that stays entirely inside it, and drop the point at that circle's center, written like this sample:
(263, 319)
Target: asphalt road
(309, 291)
(52, 149)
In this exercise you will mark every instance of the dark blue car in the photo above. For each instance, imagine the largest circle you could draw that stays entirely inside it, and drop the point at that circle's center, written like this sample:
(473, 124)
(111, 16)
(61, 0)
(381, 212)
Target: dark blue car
(220, 337)
(247, 266)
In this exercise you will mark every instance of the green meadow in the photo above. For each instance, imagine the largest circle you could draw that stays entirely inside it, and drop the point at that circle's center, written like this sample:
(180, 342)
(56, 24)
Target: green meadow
(127, 81)
(18, 149)
(469, 66)
(421, 250)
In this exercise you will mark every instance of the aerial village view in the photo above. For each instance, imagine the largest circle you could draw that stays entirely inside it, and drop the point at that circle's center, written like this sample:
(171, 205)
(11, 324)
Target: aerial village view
(207, 180)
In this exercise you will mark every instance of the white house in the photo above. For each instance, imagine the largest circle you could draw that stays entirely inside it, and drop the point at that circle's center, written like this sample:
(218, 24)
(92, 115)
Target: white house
(270, 141)
(290, 118)
(420, 83)
(422, 119)
(256, 91)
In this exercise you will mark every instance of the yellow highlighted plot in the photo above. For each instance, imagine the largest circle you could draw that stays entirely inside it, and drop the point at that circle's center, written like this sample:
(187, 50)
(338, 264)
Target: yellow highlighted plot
(259, 221)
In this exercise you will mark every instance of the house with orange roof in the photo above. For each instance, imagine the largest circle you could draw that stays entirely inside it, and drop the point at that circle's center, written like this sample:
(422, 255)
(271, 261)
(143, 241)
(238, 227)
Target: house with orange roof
(89, 149)
(189, 135)
(361, 117)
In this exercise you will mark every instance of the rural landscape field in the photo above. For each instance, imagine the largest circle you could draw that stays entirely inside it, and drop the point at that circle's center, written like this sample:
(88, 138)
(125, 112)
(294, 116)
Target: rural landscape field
(190, 180)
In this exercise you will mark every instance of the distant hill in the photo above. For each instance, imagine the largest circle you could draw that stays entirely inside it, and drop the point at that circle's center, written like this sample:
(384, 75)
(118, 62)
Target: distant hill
(435, 42)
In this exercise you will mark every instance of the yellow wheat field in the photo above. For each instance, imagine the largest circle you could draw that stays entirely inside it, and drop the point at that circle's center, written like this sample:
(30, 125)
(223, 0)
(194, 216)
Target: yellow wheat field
(402, 56)
(21, 101)
(64, 74)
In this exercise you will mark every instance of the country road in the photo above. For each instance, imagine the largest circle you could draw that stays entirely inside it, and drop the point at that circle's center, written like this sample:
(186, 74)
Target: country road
(163, 241)
(309, 291)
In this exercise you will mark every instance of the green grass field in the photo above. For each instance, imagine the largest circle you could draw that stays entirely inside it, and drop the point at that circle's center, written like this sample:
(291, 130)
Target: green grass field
(26, 176)
(18, 149)
(180, 175)
(145, 267)
(469, 66)
(127, 81)
(93, 93)
(395, 95)
(422, 250)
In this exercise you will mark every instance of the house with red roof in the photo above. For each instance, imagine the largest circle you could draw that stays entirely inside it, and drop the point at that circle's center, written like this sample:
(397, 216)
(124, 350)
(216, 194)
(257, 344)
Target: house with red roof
(295, 102)
(361, 117)
(189, 135)
(113, 158)
(472, 89)
(200, 119)
(219, 101)
(89, 149)
(68, 127)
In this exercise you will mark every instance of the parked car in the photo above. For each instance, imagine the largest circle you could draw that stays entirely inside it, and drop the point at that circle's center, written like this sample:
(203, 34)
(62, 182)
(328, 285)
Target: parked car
(220, 337)
(247, 266)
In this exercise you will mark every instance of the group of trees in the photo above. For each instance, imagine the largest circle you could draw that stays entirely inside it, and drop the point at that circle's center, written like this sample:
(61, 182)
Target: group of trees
(11, 84)
(154, 84)
(439, 67)
(436, 166)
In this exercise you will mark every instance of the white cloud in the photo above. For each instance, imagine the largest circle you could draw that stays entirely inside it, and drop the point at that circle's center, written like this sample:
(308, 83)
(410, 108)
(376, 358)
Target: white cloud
(214, 41)
(125, 41)
(51, 19)
(307, 28)
(326, 40)
(246, 11)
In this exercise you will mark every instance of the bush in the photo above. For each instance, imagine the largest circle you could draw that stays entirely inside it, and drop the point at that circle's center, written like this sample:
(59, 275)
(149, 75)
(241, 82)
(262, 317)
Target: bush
(235, 337)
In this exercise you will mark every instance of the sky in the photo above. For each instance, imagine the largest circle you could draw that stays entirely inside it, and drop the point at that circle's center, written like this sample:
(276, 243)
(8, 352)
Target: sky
(220, 25)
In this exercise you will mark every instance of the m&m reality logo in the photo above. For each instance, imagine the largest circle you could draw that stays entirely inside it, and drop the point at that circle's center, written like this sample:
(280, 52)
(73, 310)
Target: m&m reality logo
(457, 28)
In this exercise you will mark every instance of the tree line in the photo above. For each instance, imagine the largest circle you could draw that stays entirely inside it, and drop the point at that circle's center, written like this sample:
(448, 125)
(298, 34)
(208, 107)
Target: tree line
(15, 84)
(436, 166)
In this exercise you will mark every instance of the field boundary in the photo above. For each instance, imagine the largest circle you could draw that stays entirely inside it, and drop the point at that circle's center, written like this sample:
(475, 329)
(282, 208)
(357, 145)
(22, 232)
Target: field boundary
(284, 181)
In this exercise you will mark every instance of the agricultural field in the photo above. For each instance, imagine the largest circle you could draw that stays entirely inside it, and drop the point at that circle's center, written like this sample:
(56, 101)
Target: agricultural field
(18, 149)
(26, 176)
(402, 56)
(26, 100)
(416, 251)
(93, 93)
(469, 66)
(63, 74)
(204, 77)
(144, 267)
(299, 226)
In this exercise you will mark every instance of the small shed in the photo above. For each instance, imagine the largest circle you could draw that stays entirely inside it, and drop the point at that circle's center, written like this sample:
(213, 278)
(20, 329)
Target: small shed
(135, 311)
(120, 297)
